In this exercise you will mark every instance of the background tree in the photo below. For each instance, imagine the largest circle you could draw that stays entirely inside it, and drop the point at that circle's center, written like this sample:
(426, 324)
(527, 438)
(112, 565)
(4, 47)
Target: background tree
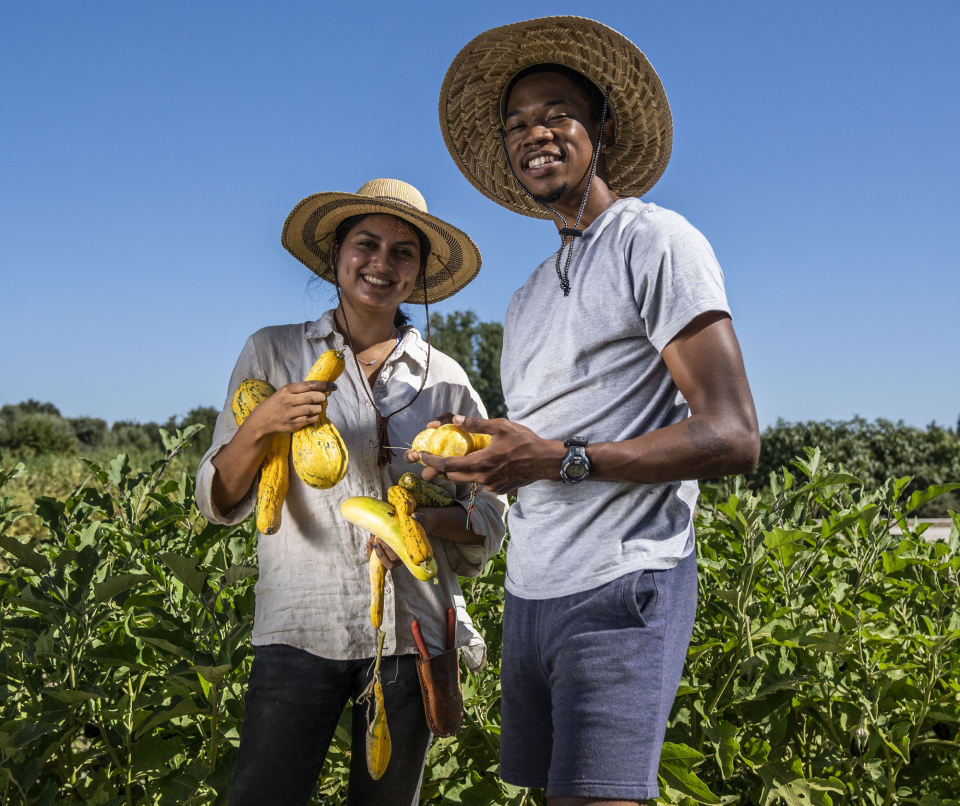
(476, 346)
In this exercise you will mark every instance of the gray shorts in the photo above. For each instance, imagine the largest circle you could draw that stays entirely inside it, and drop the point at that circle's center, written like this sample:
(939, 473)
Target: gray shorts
(588, 681)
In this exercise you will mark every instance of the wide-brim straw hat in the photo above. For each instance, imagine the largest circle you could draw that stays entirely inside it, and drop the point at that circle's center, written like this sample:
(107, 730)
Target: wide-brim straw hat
(308, 234)
(471, 102)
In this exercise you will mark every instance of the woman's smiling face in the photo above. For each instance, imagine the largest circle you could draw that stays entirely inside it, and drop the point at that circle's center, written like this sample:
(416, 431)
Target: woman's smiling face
(378, 262)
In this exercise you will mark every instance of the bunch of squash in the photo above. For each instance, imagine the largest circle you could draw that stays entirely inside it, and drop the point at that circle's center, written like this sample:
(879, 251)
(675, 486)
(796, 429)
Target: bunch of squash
(319, 455)
(392, 521)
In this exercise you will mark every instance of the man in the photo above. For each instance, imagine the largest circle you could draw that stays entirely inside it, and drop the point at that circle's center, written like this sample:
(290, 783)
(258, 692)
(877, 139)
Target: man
(624, 383)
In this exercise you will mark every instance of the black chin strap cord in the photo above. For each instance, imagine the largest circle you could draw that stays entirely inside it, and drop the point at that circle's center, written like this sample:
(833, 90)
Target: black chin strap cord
(567, 234)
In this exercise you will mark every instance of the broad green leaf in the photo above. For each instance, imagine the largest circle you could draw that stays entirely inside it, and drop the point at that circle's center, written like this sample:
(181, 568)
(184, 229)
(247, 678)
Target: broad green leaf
(677, 762)
(919, 498)
(212, 674)
(788, 782)
(896, 488)
(85, 567)
(832, 479)
(785, 543)
(152, 753)
(111, 586)
(831, 526)
(39, 605)
(71, 697)
(810, 466)
(115, 655)
(174, 641)
(726, 738)
(26, 732)
(119, 470)
(25, 553)
(185, 569)
(236, 573)
(181, 708)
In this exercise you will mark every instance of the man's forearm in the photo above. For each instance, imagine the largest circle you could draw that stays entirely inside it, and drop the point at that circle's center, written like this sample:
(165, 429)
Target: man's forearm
(700, 447)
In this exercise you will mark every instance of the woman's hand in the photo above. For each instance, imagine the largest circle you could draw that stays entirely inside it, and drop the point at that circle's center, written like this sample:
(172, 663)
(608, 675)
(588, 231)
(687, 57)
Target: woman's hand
(448, 522)
(387, 556)
(288, 409)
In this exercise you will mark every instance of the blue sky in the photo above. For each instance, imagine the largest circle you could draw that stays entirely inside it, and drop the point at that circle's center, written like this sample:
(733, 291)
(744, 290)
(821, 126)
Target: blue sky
(151, 153)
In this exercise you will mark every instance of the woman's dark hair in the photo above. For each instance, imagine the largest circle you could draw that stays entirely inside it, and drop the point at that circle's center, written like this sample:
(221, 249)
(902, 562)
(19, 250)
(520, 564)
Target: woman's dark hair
(345, 227)
(589, 91)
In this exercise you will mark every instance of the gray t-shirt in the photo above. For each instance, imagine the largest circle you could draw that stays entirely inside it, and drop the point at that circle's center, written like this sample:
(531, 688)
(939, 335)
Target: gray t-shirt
(590, 365)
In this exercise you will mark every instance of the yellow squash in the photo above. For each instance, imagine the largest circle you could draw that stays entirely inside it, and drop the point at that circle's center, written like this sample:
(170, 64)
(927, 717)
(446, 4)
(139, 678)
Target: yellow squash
(378, 576)
(275, 473)
(250, 394)
(422, 440)
(319, 455)
(449, 440)
(414, 537)
(379, 746)
(379, 518)
(328, 367)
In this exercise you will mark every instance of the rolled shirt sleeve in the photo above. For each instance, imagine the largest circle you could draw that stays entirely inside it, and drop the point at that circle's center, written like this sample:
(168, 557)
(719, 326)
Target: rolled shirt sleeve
(487, 518)
(247, 367)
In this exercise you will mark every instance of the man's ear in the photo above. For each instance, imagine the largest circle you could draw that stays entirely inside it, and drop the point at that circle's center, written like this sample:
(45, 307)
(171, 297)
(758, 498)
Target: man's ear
(609, 138)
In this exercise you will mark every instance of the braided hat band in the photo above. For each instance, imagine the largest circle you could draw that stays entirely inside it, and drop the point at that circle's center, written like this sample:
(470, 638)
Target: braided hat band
(472, 94)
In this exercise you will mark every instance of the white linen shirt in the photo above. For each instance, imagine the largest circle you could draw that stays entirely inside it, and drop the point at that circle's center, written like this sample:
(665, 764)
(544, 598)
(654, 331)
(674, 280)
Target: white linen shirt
(313, 592)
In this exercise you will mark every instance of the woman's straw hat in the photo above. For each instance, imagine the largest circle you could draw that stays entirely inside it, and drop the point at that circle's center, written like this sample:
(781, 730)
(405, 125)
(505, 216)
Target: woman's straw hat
(473, 90)
(308, 234)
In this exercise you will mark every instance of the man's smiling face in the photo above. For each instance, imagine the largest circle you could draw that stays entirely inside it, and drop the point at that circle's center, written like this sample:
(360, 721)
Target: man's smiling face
(551, 134)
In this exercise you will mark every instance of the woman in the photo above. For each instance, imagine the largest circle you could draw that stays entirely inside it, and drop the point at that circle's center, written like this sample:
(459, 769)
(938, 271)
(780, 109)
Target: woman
(312, 635)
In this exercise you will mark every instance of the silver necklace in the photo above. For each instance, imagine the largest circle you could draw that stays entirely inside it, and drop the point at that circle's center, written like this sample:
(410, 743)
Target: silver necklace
(371, 363)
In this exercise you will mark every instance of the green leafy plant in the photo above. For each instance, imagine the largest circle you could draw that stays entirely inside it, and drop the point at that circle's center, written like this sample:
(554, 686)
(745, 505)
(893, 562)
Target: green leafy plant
(823, 664)
(822, 668)
(124, 643)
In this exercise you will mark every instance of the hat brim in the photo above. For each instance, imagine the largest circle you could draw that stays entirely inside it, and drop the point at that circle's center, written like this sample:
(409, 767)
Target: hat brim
(308, 235)
(470, 100)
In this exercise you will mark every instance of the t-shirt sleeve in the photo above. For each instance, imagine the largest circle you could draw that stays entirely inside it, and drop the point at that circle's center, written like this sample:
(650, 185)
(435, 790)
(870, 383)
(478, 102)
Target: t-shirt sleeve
(676, 276)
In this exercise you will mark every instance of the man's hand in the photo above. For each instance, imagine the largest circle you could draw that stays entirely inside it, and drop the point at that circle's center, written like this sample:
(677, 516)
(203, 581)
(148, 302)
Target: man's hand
(515, 457)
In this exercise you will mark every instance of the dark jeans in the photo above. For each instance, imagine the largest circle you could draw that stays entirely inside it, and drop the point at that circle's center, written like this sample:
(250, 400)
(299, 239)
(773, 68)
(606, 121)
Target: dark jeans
(292, 707)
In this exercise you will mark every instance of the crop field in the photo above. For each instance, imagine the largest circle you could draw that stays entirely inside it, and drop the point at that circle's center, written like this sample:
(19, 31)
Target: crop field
(822, 668)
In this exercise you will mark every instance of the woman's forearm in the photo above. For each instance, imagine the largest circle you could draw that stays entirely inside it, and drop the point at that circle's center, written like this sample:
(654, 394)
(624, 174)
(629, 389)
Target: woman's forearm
(236, 467)
(449, 523)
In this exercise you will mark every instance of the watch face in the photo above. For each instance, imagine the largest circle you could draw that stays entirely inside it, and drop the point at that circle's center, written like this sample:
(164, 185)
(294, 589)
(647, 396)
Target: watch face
(575, 470)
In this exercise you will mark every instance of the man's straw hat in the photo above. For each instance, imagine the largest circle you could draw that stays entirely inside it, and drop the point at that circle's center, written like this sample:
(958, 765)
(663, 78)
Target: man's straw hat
(473, 90)
(308, 234)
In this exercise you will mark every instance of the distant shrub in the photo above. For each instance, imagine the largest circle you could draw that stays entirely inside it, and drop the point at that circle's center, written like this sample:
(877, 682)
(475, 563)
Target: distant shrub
(90, 431)
(128, 435)
(874, 451)
(31, 428)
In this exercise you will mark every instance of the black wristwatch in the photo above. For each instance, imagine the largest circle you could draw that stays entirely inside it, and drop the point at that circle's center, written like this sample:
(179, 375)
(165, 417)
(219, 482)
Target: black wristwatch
(576, 465)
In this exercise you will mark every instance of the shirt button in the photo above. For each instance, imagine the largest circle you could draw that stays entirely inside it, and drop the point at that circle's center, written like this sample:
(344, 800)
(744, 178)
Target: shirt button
(372, 443)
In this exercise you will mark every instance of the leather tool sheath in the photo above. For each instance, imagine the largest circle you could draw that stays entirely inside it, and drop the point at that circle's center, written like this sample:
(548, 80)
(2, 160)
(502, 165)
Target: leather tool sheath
(442, 698)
